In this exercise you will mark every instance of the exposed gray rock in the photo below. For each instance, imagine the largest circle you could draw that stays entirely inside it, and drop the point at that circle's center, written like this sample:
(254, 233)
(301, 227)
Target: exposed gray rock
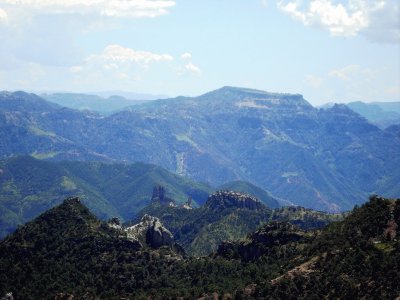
(115, 223)
(8, 296)
(151, 232)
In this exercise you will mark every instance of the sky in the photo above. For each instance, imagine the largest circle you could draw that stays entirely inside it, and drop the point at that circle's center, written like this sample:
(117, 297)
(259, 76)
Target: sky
(326, 50)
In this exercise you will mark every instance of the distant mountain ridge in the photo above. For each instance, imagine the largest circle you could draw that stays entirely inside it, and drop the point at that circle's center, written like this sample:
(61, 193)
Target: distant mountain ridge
(279, 142)
(382, 114)
(95, 103)
(29, 186)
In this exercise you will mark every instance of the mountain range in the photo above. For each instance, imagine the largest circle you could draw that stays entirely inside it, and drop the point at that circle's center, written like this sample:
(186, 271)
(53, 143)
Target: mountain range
(68, 253)
(308, 156)
(29, 186)
(383, 114)
(94, 103)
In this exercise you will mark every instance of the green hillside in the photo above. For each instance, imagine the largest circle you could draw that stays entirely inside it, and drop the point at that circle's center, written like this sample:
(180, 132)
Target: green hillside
(30, 186)
(311, 157)
(68, 252)
(200, 230)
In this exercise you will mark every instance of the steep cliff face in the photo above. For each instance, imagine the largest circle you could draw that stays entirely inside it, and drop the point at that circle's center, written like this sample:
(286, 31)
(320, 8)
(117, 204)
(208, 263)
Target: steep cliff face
(229, 199)
(151, 232)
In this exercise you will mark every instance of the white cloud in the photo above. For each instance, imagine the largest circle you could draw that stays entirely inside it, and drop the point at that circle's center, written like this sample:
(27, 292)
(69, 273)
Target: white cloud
(129, 64)
(314, 81)
(345, 73)
(351, 72)
(192, 68)
(393, 91)
(188, 67)
(123, 63)
(3, 16)
(385, 24)
(117, 54)
(376, 19)
(110, 8)
(186, 56)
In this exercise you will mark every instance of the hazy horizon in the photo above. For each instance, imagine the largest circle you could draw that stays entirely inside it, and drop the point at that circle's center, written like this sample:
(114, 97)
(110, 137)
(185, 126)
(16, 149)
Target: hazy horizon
(326, 50)
(155, 96)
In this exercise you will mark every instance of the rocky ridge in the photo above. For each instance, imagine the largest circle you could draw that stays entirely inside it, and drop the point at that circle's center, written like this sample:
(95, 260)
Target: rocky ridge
(311, 157)
(228, 199)
(68, 251)
(151, 232)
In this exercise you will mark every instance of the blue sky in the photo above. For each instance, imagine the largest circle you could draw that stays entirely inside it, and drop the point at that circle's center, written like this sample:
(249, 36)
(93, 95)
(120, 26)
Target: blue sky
(327, 50)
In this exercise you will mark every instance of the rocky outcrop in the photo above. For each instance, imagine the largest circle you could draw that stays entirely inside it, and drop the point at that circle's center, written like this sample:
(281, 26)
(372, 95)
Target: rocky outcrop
(230, 199)
(258, 244)
(8, 296)
(160, 198)
(151, 232)
(115, 223)
(72, 201)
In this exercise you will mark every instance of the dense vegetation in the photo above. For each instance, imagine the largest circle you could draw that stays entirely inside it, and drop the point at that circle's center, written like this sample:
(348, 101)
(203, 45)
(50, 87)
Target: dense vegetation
(277, 141)
(67, 250)
(29, 186)
(356, 258)
(200, 230)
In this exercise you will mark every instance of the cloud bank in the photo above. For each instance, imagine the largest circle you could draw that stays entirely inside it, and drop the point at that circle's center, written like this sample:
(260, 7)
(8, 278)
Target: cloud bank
(109, 8)
(129, 64)
(378, 20)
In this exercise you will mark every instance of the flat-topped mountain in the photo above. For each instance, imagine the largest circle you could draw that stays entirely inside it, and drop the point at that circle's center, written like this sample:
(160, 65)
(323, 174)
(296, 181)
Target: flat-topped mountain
(244, 97)
(311, 157)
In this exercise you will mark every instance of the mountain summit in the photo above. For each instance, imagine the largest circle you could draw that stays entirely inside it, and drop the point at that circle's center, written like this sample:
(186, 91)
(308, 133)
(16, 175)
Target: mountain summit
(256, 99)
(311, 157)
